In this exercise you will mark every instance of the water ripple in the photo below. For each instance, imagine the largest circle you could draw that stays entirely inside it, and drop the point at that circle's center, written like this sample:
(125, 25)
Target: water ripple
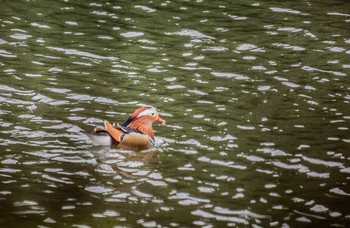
(82, 53)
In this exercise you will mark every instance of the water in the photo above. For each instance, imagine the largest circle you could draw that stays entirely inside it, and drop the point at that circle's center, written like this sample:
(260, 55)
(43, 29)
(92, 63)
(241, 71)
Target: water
(255, 94)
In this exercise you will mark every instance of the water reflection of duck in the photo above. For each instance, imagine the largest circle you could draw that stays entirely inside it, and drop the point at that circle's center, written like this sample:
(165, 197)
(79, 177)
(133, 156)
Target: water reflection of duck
(136, 133)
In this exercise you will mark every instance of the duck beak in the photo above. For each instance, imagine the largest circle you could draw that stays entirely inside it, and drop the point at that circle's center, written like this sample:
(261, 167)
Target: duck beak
(160, 120)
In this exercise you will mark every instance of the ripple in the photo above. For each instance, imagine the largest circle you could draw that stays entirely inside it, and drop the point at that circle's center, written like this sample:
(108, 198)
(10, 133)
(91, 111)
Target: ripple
(145, 8)
(42, 26)
(221, 163)
(7, 54)
(230, 75)
(244, 127)
(208, 215)
(72, 23)
(299, 167)
(338, 191)
(132, 34)
(245, 213)
(273, 152)
(82, 53)
(308, 68)
(286, 10)
(186, 199)
(98, 189)
(21, 36)
(58, 180)
(246, 47)
(289, 47)
(191, 33)
(325, 163)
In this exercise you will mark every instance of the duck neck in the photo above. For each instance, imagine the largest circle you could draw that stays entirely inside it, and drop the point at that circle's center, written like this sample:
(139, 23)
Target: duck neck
(143, 126)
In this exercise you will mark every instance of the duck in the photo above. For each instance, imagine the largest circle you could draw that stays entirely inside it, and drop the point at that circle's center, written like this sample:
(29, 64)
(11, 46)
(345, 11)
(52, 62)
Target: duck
(136, 133)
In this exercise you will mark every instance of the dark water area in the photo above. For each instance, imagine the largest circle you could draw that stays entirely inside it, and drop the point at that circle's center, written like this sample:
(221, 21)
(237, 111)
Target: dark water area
(255, 94)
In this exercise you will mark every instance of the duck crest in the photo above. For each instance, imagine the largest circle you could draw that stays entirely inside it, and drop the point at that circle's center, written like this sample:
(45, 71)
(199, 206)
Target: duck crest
(135, 115)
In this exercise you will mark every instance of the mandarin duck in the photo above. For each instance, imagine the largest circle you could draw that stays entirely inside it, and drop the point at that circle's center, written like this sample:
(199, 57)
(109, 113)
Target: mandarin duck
(136, 133)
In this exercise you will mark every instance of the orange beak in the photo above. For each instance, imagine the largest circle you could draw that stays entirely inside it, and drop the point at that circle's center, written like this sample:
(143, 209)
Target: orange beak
(160, 120)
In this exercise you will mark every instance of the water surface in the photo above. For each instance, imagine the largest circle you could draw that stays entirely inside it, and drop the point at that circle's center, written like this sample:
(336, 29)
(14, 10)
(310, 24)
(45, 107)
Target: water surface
(255, 94)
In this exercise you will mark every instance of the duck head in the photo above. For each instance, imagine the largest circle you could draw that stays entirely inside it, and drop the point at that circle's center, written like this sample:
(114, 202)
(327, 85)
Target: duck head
(142, 120)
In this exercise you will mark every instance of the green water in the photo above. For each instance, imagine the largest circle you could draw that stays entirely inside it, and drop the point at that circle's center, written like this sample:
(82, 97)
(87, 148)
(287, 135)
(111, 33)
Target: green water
(255, 94)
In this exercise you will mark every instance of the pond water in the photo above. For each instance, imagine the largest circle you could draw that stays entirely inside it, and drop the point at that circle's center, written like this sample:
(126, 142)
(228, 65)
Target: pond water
(255, 94)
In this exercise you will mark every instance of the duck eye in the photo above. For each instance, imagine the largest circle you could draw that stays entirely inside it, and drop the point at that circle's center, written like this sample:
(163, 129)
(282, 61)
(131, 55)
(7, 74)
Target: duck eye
(152, 114)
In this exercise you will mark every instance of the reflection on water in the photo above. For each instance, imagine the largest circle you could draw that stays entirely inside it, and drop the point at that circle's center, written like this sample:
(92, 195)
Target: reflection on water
(255, 95)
